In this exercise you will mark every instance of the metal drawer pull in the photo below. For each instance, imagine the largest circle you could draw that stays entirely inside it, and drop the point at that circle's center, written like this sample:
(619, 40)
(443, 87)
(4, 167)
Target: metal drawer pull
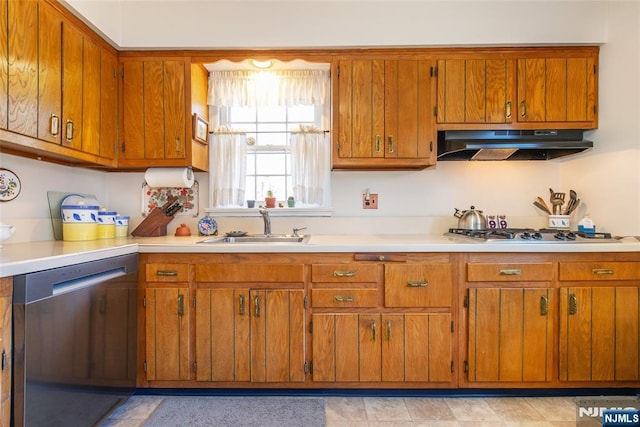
(388, 330)
(344, 273)
(341, 298)
(602, 271)
(54, 125)
(511, 272)
(180, 305)
(573, 304)
(418, 284)
(69, 130)
(241, 305)
(544, 305)
(256, 303)
(167, 273)
(373, 330)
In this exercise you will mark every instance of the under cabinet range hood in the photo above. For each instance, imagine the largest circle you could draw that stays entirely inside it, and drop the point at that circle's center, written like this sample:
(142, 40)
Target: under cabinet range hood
(510, 144)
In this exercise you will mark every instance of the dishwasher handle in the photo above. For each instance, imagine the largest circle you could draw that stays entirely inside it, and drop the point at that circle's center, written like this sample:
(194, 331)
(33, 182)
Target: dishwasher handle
(39, 285)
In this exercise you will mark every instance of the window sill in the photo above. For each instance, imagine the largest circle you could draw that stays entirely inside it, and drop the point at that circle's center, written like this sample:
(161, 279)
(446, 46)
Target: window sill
(221, 212)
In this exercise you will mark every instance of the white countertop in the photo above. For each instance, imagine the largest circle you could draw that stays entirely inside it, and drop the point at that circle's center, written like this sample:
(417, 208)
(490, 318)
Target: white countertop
(20, 258)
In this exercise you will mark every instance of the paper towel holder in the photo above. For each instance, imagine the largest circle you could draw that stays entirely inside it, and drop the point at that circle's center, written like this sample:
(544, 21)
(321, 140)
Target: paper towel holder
(189, 176)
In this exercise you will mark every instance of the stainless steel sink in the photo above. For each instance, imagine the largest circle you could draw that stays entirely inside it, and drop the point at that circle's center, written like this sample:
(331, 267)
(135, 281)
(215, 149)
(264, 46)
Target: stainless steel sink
(258, 238)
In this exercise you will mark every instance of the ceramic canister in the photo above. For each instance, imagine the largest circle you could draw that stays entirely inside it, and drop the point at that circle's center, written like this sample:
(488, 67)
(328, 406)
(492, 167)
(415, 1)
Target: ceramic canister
(122, 225)
(79, 221)
(107, 224)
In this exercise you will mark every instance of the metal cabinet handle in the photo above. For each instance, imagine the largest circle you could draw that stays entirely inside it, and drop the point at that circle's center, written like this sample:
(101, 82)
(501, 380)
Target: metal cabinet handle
(69, 135)
(256, 305)
(167, 273)
(511, 272)
(602, 271)
(523, 109)
(378, 140)
(544, 305)
(508, 110)
(388, 332)
(573, 304)
(178, 147)
(373, 330)
(342, 298)
(180, 305)
(417, 284)
(241, 305)
(390, 140)
(54, 125)
(344, 273)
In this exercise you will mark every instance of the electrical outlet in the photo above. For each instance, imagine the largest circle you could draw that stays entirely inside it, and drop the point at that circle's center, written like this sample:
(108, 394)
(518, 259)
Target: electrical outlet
(372, 203)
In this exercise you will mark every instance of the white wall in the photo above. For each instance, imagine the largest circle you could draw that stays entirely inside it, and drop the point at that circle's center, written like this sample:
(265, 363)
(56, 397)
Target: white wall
(606, 178)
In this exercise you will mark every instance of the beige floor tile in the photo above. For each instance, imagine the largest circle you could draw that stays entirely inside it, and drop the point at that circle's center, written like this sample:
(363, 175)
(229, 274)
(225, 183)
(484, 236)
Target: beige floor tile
(391, 424)
(386, 409)
(122, 423)
(554, 408)
(345, 409)
(471, 409)
(428, 409)
(528, 424)
(514, 409)
(347, 424)
(136, 408)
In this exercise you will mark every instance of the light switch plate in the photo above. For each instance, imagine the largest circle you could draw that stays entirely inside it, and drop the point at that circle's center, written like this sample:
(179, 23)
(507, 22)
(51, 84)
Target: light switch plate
(372, 203)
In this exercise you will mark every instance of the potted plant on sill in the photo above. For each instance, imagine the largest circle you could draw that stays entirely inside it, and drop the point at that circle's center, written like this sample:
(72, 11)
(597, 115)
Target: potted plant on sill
(270, 200)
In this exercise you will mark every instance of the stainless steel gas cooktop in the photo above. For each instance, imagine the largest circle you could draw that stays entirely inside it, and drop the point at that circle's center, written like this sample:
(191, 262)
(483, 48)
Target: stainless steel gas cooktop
(530, 235)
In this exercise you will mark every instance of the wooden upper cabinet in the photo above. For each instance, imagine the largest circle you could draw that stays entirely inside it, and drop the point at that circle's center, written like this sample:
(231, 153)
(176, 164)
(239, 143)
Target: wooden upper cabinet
(384, 114)
(558, 90)
(108, 104)
(72, 80)
(154, 122)
(49, 75)
(4, 63)
(23, 67)
(475, 91)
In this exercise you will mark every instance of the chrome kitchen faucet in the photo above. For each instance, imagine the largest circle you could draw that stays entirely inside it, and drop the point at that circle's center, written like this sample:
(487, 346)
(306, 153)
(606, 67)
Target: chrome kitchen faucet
(267, 221)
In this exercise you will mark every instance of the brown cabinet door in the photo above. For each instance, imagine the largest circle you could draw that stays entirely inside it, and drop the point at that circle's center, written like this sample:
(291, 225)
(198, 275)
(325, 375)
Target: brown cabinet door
(174, 110)
(475, 90)
(167, 333)
(417, 285)
(22, 107)
(222, 335)
(133, 111)
(558, 90)
(108, 104)
(49, 75)
(72, 80)
(599, 333)
(91, 93)
(510, 335)
(6, 344)
(4, 63)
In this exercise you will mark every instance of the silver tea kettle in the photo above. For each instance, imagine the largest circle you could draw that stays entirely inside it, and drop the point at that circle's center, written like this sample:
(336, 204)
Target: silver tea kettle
(471, 219)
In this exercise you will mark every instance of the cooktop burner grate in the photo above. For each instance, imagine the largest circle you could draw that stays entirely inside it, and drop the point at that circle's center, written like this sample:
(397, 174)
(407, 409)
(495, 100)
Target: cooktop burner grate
(530, 235)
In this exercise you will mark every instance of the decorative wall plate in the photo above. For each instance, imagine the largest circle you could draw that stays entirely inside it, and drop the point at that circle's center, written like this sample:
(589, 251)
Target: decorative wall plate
(207, 226)
(156, 197)
(9, 185)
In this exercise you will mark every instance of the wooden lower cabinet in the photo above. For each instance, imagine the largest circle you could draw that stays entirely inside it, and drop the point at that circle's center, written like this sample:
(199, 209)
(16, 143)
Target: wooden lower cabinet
(255, 335)
(364, 347)
(167, 333)
(6, 344)
(510, 335)
(599, 333)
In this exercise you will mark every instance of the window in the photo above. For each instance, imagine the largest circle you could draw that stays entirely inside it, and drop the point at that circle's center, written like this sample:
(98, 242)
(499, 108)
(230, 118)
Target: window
(269, 136)
(268, 132)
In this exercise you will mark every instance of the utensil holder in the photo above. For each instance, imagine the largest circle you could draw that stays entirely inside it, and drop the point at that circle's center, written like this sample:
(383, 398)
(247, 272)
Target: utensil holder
(560, 222)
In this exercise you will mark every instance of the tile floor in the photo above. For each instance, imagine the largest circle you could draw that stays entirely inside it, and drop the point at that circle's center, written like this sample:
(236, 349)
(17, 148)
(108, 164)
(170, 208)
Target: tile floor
(407, 411)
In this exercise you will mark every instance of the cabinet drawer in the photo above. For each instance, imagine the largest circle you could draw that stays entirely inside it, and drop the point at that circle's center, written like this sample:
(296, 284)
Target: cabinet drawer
(257, 273)
(417, 285)
(507, 272)
(344, 273)
(347, 297)
(599, 271)
(167, 272)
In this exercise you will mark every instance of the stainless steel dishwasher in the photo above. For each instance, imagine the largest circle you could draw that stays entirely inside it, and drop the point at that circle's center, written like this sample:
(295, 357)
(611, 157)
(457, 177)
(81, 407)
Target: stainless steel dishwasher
(74, 331)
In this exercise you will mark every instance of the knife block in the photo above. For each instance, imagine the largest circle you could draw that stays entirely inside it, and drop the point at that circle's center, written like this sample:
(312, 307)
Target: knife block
(155, 224)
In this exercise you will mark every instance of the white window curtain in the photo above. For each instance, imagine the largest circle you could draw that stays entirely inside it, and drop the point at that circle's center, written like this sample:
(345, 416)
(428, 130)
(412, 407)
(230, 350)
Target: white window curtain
(228, 167)
(285, 87)
(310, 165)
